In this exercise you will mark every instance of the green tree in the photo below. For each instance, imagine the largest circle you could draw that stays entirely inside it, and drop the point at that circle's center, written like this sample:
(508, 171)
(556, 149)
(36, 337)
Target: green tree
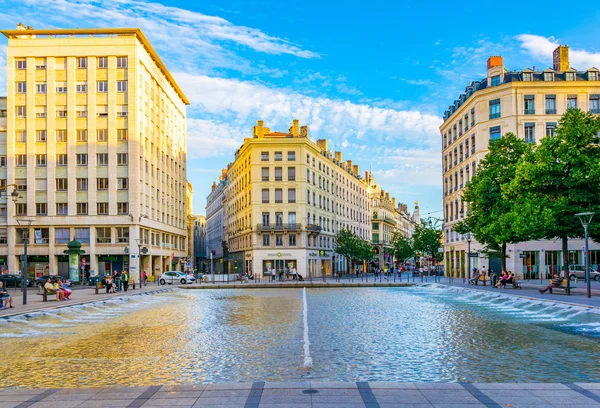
(346, 245)
(427, 239)
(403, 247)
(491, 217)
(561, 179)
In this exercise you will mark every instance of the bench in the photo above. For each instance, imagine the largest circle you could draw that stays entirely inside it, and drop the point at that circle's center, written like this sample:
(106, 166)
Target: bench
(563, 287)
(45, 294)
(515, 284)
(482, 278)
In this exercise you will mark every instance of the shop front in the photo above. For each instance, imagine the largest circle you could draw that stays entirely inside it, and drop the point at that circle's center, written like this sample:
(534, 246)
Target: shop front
(283, 262)
(109, 263)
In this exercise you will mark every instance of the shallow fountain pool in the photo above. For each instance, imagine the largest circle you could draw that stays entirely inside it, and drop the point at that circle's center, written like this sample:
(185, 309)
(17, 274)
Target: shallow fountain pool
(429, 333)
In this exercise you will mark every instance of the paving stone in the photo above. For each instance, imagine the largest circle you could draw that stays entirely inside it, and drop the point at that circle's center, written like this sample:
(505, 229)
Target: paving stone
(176, 394)
(439, 386)
(461, 405)
(209, 402)
(400, 405)
(339, 391)
(106, 403)
(589, 386)
(332, 399)
(170, 402)
(337, 405)
(186, 387)
(284, 405)
(391, 385)
(57, 404)
(300, 384)
(23, 391)
(282, 392)
(110, 395)
(16, 397)
(9, 404)
(402, 399)
(228, 386)
(333, 385)
(70, 397)
(291, 399)
(225, 393)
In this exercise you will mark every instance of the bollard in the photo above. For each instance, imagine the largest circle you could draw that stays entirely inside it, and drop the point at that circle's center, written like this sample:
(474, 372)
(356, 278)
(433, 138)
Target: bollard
(96, 289)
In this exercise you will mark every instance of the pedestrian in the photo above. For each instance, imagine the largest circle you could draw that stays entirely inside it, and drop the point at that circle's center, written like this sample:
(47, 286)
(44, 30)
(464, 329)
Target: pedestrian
(64, 286)
(5, 298)
(294, 277)
(273, 274)
(281, 275)
(125, 280)
(145, 277)
(117, 280)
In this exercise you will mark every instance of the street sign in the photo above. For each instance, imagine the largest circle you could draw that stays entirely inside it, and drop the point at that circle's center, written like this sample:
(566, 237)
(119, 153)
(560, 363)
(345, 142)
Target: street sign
(188, 265)
(522, 255)
(474, 255)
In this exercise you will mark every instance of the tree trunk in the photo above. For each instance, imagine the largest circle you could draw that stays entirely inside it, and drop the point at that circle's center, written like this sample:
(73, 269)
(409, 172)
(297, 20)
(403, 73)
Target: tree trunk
(503, 256)
(565, 254)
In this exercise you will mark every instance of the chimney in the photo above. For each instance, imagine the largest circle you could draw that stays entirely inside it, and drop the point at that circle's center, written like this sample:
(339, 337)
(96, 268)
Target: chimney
(560, 57)
(259, 129)
(356, 169)
(367, 177)
(214, 185)
(294, 128)
(494, 61)
(338, 156)
(394, 202)
(349, 165)
(387, 196)
(322, 143)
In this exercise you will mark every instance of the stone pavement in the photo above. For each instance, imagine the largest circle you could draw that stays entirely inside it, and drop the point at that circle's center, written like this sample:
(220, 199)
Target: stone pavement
(305, 394)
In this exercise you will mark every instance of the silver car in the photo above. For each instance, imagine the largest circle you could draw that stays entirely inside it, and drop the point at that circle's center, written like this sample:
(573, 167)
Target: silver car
(578, 271)
(176, 277)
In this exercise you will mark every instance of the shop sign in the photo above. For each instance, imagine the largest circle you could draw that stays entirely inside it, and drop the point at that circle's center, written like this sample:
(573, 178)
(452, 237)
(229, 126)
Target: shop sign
(107, 258)
(279, 254)
(322, 253)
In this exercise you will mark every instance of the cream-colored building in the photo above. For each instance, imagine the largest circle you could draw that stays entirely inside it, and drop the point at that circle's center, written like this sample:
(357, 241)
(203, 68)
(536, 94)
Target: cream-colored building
(95, 142)
(286, 197)
(528, 103)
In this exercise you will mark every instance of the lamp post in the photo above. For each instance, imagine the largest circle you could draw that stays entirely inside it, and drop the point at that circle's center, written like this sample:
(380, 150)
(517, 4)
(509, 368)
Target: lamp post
(15, 195)
(469, 237)
(140, 242)
(586, 219)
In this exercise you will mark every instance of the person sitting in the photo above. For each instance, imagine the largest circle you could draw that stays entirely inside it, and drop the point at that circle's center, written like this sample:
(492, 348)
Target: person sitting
(64, 286)
(49, 287)
(503, 278)
(474, 277)
(554, 283)
(5, 298)
(57, 288)
(509, 279)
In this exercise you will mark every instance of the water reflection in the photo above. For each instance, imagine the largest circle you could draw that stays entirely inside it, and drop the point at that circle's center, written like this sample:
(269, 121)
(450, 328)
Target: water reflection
(390, 334)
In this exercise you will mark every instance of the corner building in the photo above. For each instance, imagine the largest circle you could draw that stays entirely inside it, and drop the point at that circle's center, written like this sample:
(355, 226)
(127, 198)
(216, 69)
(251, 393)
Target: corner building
(96, 145)
(528, 103)
(286, 199)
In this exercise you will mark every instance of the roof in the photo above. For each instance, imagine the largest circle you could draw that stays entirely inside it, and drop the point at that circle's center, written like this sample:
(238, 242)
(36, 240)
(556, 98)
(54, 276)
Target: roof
(13, 34)
(278, 134)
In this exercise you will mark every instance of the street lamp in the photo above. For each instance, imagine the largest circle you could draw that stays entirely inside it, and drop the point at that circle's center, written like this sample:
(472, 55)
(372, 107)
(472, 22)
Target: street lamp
(468, 237)
(586, 219)
(24, 265)
(140, 242)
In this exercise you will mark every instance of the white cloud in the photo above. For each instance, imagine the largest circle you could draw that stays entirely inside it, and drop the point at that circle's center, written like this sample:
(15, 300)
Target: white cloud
(417, 82)
(541, 49)
(208, 138)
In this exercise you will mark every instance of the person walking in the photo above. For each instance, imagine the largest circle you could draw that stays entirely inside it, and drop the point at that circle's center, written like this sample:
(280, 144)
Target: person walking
(125, 280)
(117, 280)
(272, 274)
(145, 277)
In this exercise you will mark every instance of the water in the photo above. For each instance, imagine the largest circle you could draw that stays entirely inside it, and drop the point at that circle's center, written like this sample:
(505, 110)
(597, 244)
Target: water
(429, 333)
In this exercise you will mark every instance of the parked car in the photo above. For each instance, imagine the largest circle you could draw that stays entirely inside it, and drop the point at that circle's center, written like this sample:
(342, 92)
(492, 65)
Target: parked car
(11, 280)
(171, 277)
(578, 271)
(41, 281)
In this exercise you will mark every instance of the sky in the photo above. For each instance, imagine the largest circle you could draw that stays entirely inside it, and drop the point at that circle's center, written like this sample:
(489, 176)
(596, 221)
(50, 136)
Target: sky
(373, 78)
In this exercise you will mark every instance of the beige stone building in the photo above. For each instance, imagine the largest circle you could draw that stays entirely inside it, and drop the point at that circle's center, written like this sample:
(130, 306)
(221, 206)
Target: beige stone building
(528, 103)
(95, 143)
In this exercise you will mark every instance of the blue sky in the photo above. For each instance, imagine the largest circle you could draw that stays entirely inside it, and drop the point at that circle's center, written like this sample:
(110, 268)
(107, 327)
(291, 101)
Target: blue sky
(372, 77)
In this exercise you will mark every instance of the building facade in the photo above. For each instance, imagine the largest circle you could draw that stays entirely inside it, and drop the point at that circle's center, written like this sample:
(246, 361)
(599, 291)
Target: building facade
(528, 103)
(95, 144)
(200, 260)
(215, 232)
(285, 199)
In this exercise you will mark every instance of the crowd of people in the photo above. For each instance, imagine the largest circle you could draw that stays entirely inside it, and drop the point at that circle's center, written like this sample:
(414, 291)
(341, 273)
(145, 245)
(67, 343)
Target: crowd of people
(58, 287)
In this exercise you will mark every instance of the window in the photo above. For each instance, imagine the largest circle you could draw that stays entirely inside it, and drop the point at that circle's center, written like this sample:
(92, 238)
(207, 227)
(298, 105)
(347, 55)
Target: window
(41, 209)
(82, 113)
(570, 76)
(472, 117)
(62, 184)
(278, 174)
(21, 111)
(122, 134)
(527, 77)
(278, 195)
(550, 104)
(81, 88)
(82, 159)
(40, 135)
(102, 183)
(571, 101)
(21, 136)
(103, 234)
(2, 162)
(495, 132)
(62, 235)
(264, 174)
(21, 160)
(266, 219)
(101, 135)
(278, 156)
(21, 87)
(40, 160)
(291, 156)
(592, 76)
(61, 135)
(21, 208)
(265, 195)
(61, 112)
(595, 103)
(551, 129)
(279, 219)
(61, 159)
(121, 62)
(102, 111)
(122, 208)
(279, 240)
(266, 240)
(122, 159)
(102, 62)
(102, 209)
(291, 174)
(264, 156)
(495, 109)
(82, 135)
(291, 195)
(61, 87)
(102, 86)
(548, 76)
(496, 80)
(40, 88)
(292, 240)
(121, 86)
(82, 235)
(82, 208)
(21, 64)
(81, 62)
(82, 184)
(122, 183)
(62, 209)
(530, 132)
(529, 104)
(102, 159)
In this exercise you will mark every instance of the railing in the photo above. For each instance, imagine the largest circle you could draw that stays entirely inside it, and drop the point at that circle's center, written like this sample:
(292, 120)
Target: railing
(279, 227)
(314, 228)
(550, 111)
(529, 112)
(595, 111)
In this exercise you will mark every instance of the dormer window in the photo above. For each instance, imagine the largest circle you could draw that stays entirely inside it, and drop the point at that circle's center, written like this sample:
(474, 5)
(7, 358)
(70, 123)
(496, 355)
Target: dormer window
(496, 80)
(570, 76)
(592, 76)
(527, 77)
(549, 76)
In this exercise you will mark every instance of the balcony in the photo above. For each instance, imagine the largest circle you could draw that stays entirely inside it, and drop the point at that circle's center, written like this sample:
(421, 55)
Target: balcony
(279, 227)
(595, 111)
(313, 228)
(550, 111)
(529, 112)
(494, 115)
(265, 178)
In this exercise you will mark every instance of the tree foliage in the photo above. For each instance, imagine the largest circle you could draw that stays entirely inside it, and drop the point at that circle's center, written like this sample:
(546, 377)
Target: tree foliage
(352, 247)
(427, 240)
(403, 247)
